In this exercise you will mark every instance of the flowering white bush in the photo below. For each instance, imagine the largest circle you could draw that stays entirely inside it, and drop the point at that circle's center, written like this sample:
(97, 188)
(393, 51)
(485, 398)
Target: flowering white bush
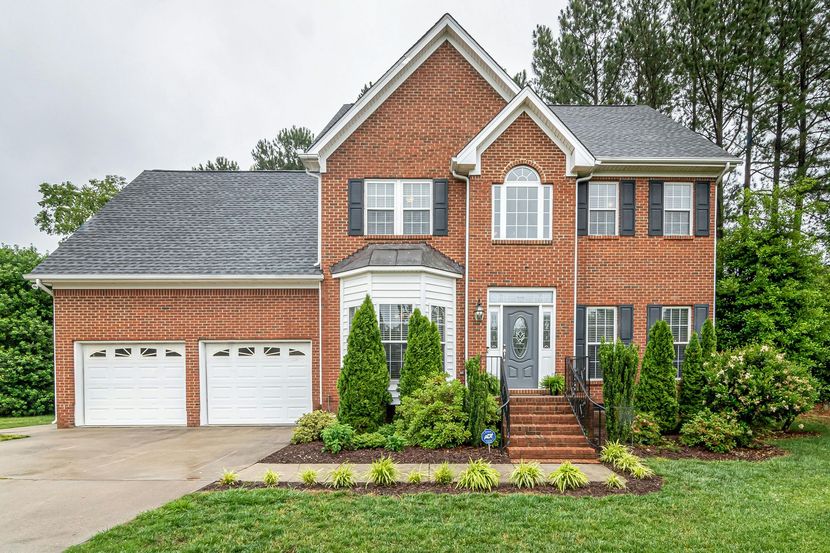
(760, 386)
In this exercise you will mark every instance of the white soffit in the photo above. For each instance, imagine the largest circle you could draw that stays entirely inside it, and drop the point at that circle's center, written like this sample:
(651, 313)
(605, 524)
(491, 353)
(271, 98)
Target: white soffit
(447, 29)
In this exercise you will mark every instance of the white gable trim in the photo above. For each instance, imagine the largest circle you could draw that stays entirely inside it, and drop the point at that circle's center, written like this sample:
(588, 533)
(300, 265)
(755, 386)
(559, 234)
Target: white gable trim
(446, 29)
(577, 155)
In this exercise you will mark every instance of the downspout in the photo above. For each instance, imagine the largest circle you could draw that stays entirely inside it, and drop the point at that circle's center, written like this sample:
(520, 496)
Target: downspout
(728, 167)
(466, 180)
(576, 252)
(38, 285)
(319, 263)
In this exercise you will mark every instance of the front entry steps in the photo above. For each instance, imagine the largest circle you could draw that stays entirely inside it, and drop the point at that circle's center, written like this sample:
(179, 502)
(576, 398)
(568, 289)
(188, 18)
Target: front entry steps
(544, 428)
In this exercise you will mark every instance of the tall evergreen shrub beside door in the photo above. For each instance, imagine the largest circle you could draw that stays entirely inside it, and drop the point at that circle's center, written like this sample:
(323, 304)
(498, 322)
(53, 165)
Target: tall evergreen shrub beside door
(423, 357)
(363, 384)
(693, 380)
(708, 340)
(656, 392)
(619, 369)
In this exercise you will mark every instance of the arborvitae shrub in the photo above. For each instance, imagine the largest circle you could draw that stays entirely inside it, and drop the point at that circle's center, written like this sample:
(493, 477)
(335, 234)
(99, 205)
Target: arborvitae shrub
(693, 384)
(363, 384)
(423, 357)
(619, 369)
(708, 340)
(656, 393)
(479, 404)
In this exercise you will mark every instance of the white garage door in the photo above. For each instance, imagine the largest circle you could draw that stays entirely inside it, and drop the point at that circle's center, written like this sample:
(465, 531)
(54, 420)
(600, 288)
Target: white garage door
(133, 384)
(257, 383)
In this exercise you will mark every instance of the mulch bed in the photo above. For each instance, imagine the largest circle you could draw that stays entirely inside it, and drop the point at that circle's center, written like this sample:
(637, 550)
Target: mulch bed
(313, 453)
(676, 450)
(593, 489)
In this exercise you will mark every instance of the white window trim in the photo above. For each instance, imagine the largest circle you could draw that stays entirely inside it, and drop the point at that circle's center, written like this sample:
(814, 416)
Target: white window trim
(688, 326)
(690, 211)
(616, 208)
(614, 333)
(399, 205)
(501, 189)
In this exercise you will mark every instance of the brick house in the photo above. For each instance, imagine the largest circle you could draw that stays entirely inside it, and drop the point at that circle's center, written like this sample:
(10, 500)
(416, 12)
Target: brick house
(225, 297)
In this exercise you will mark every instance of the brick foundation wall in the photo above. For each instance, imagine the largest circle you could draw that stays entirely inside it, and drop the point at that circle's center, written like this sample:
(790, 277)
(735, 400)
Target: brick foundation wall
(178, 315)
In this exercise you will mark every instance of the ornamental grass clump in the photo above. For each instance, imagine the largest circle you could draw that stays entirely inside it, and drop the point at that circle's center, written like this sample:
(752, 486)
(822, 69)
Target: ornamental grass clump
(614, 482)
(527, 475)
(567, 477)
(479, 476)
(228, 478)
(612, 451)
(415, 477)
(270, 478)
(342, 477)
(309, 477)
(383, 472)
(443, 474)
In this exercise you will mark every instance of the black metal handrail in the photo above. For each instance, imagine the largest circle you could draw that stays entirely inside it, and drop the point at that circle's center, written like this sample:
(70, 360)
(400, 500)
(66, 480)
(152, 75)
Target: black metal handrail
(589, 413)
(495, 367)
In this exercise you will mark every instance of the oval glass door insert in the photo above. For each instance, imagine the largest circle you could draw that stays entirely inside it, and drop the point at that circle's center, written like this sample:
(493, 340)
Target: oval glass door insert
(520, 337)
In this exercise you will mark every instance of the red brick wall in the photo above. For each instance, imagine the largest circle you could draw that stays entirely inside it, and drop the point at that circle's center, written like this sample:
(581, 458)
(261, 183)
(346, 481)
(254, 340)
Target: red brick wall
(178, 315)
(413, 134)
(534, 264)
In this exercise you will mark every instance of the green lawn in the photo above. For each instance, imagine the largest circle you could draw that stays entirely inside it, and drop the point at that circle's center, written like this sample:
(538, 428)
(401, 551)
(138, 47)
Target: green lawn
(16, 422)
(778, 505)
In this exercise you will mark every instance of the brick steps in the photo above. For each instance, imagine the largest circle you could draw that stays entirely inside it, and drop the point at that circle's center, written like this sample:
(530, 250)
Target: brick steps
(544, 428)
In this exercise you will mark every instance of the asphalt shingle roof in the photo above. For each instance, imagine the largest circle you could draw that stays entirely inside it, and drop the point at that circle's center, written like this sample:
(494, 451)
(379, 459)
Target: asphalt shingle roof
(398, 255)
(634, 132)
(198, 223)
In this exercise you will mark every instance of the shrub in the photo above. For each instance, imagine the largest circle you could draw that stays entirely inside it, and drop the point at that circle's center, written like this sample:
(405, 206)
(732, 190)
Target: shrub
(395, 442)
(692, 394)
(614, 482)
(415, 477)
(443, 474)
(479, 476)
(433, 416)
(338, 437)
(553, 383)
(309, 477)
(656, 392)
(370, 440)
(645, 430)
(311, 425)
(342, 477)
(718, 432)
(228, 478)
(619, 369)
(481, 407)
(567, 477)
(387, 430)
(383, 472)
(612, 451)
(363, 384)
(527, 475)
(270, 478)
(708, 340)
(761, 386)
(423, 358)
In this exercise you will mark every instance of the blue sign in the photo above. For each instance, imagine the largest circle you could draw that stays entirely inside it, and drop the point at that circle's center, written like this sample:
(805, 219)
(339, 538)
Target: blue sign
(488, 436)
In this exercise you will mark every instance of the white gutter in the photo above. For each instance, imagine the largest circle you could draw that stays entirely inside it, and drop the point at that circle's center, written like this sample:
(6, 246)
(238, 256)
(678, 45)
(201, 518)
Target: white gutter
(38, 285)
(320, 339)
(167, 277)
(466, 179)
(576, 253)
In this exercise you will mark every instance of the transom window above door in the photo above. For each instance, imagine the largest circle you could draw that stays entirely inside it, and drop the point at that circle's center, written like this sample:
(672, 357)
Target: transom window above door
(522, 206)
(398, 207)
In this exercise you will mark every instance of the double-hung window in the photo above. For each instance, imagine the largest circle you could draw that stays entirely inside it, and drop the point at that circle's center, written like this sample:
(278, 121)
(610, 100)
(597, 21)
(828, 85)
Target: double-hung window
(602, 208)
(602, 327)
(522, 207)
(677, 209)
(438, 315)
(398, 207)
(678, 320)
(394, 327)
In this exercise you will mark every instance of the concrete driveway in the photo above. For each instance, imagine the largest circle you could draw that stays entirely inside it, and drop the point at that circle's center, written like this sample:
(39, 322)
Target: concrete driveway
(60, 487)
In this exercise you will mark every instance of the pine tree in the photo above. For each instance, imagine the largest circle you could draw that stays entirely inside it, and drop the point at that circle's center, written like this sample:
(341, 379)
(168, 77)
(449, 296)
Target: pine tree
(363, 384)
(708, 340)
(282, 152)
(619, 370)
(651, 57)
(693, 383)
(657, 392)
(423, 357)
(220, 164)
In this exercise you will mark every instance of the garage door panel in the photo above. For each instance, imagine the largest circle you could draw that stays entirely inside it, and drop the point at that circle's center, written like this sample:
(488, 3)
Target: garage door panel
(257, 383)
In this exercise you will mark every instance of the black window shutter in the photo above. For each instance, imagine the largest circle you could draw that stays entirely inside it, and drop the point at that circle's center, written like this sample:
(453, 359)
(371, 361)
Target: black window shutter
(355, 207)
(701, 314)
(655, 208)
(626, 323)
(582, 209)
(581, 349)
(628, 206)
(702, 208)
(440, 195)
(654, 314)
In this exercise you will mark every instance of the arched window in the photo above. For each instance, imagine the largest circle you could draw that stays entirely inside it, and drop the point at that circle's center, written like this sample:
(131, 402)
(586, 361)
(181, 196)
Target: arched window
(522, 206)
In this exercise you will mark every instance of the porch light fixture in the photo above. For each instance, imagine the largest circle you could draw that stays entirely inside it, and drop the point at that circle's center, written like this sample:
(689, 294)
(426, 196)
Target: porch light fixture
(479, 313)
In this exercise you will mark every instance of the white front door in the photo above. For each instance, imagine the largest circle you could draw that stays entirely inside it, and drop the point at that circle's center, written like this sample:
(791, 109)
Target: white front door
(133, 384)
(257, 383)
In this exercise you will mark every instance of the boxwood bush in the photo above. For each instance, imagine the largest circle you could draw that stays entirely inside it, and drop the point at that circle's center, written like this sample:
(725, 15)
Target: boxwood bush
(311, 425)
(433, 416)
(718, 432)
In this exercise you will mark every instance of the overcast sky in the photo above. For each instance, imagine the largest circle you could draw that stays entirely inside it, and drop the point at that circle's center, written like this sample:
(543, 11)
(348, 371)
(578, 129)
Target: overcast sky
(114, 87)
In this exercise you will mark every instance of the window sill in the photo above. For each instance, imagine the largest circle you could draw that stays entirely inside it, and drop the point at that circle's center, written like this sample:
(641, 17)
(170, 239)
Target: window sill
(679, 237)
(603, 237)
(522, 242)
(398, 236)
